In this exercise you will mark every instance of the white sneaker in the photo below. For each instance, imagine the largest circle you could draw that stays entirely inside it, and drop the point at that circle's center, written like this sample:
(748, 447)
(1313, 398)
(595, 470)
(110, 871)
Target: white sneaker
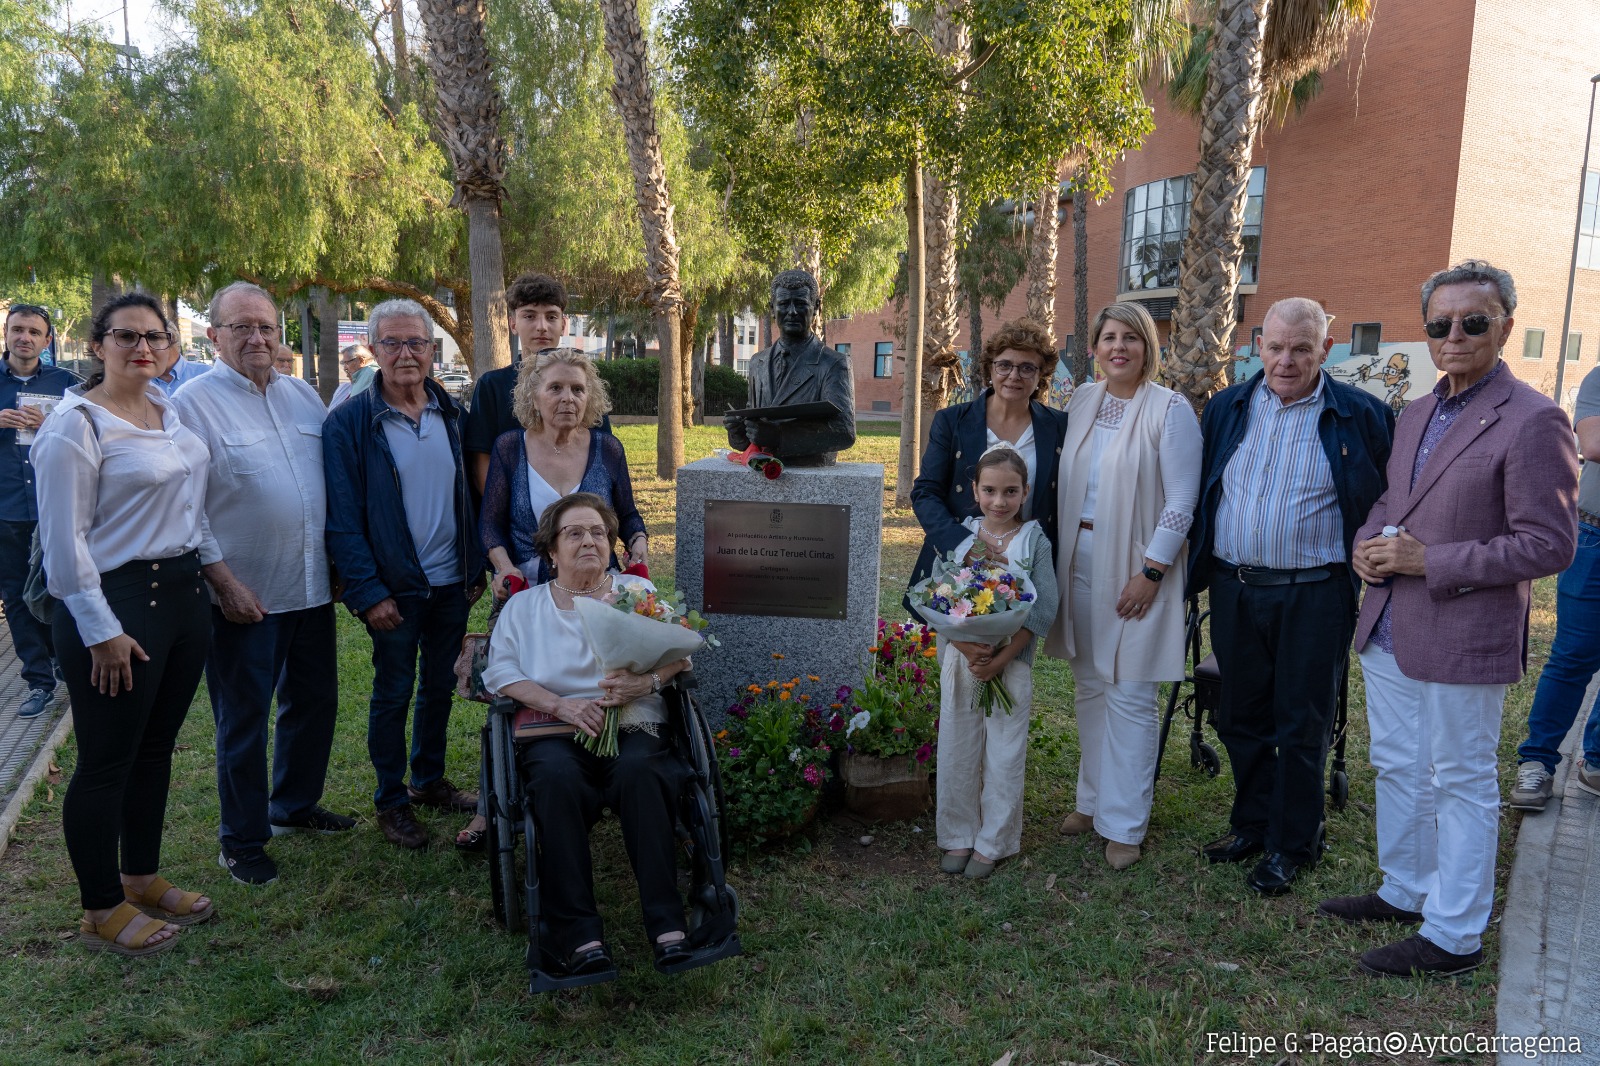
(1533, 787)
(1589, 779)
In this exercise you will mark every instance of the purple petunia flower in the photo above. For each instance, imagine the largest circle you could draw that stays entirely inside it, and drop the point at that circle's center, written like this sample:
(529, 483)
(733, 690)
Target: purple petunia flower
(733, 753)
(924, 753)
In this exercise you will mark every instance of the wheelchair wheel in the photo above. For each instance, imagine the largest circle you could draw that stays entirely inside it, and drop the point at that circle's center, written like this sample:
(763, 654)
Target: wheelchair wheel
(504, 884)
(1205, 757)
(1339, 789)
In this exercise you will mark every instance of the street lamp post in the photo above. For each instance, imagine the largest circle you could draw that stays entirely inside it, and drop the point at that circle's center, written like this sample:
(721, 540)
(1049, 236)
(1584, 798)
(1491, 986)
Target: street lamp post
(1577, 231)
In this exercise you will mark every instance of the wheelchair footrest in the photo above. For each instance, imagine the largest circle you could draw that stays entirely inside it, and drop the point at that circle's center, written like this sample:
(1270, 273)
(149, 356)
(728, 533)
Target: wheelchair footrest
(539, 981)
(726, 948)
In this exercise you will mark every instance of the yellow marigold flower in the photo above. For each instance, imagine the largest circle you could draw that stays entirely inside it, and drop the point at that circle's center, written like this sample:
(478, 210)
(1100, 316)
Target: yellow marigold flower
(722, 734)
(813, 677)
(784, 695)
(752, 688)
(772, 684)
(777, 655)
(804, 698)
(930, 651)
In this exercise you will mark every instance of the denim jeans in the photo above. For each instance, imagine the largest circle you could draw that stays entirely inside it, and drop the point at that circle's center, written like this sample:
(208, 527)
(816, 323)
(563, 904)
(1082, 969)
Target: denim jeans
(30, 636)
(292, 654)
(431, 627)
(1574, 658)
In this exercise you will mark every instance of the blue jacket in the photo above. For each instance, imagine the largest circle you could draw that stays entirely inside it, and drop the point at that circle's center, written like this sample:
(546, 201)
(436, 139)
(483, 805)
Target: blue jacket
(1357, 431)
(369, 542)
(18, 498)
(942, 494)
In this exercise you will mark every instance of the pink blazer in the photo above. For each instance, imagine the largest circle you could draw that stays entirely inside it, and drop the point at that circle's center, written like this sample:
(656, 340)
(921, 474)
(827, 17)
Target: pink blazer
(1496, 507)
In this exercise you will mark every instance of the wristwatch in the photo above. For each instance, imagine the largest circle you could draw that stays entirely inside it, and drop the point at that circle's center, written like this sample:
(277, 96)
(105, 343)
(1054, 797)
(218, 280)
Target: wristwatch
(1153, 574)
(655, 683)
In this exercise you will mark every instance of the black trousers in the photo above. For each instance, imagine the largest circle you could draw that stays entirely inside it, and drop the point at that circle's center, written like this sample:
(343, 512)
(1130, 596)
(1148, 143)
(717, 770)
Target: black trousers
(1280, 649)
(568, 786)
(117, 800)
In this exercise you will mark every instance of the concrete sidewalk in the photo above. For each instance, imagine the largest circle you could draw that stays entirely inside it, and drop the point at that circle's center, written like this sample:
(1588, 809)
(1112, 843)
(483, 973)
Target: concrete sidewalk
(1550, 930)
(26, 744)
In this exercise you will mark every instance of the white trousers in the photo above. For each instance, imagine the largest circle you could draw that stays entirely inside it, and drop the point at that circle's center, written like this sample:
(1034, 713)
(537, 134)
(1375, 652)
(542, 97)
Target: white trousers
(981, 760)
(1118, 727)
(1434, 746)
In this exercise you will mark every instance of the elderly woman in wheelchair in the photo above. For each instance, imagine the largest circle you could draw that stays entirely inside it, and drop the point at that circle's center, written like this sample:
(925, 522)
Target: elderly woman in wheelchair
(541, 658)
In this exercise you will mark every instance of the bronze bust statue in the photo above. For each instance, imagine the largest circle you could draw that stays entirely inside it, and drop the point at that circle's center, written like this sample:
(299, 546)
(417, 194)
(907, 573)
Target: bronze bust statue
(797, 369)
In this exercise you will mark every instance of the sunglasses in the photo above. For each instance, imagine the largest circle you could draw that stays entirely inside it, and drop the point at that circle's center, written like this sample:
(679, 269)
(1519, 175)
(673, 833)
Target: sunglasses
(1471, 325)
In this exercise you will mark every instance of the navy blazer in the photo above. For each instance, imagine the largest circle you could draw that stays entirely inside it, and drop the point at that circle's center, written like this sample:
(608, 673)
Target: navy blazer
(1357, 432)
(942, 494)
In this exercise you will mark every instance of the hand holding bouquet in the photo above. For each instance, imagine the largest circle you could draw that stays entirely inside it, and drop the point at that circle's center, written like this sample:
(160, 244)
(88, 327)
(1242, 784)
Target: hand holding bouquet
(983, 603)
(639, 630)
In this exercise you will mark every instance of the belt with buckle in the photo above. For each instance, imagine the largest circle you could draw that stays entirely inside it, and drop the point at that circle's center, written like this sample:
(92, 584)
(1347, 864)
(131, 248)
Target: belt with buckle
(1266, 575)
(1589, 518)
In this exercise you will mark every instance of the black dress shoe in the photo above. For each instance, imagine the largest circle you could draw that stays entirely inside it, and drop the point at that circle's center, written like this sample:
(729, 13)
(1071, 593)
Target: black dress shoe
(1274, 874)
(1417, 956)
(670, 954)
(594, 960)
(1231, 848)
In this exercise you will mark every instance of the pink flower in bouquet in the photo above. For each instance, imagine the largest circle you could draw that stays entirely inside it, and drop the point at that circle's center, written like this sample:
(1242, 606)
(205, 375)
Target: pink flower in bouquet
(960, 609)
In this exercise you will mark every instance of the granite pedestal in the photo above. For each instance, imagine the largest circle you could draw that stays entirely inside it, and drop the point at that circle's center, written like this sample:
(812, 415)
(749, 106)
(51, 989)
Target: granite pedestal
(833, 648)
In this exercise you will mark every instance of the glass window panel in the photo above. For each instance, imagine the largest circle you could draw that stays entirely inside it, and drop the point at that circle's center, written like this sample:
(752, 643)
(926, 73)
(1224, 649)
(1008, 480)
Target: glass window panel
(1587, 224)
(1586, 256)
(1574, 345)
(1533, 342)
(1140, 197)
(1252, 211)
(1172, 219)
(1258, 180)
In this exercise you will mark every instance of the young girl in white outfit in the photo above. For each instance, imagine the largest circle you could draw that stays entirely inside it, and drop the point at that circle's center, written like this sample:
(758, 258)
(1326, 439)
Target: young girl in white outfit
(981, 758)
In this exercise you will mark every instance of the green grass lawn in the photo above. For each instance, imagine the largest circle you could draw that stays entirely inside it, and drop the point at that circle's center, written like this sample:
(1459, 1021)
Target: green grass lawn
(854, 954)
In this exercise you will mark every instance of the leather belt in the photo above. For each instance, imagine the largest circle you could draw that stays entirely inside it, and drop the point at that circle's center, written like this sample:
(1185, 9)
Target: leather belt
(1266, 575)
(1589, 518)
(1084, 523)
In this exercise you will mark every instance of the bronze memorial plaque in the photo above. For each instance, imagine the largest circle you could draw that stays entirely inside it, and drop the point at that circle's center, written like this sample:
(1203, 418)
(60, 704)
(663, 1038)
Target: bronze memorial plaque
(789, 560)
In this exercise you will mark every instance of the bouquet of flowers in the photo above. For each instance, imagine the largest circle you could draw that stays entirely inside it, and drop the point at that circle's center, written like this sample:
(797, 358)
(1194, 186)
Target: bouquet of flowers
(773, 753)
(896, 709)
(983, 603)
(639, 630)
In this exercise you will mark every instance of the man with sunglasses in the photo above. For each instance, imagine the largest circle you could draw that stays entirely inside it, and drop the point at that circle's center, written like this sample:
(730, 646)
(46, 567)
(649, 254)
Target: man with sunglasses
(272, 615)
(403, 535)
(1482, 500)
(28, 388)
(1293, 462)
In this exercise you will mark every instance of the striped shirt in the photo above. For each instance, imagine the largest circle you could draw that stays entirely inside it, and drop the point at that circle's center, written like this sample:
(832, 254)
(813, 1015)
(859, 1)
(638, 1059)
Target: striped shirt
(1279, 508)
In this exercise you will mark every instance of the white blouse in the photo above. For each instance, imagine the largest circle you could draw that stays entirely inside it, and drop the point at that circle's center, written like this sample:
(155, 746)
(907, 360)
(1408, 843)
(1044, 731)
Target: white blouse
(1180, 486)
(113, 493)
(534, 640)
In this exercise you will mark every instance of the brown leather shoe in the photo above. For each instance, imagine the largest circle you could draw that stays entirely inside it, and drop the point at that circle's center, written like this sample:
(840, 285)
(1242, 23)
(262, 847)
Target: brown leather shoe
(1420, 957)
(1369, 908)
(399, 825)
(444, 796)
(1076, 824)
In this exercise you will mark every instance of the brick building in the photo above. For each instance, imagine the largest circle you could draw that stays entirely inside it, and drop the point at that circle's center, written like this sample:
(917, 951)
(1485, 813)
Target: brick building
(1454, 130)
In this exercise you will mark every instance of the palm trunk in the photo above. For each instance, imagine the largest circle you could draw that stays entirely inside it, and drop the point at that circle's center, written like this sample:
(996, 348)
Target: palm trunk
(491, 326)
(974, 326)
(1081, 367)
(1042, 254)
(911, 397)
(725, 354)
(1208, 275)
(327, 312)
(694, 371)
(941, 368)
(635, 100)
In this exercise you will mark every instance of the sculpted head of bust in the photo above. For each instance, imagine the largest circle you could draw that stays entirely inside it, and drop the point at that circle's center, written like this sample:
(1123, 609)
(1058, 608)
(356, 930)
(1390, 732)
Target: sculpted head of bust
(794, 304)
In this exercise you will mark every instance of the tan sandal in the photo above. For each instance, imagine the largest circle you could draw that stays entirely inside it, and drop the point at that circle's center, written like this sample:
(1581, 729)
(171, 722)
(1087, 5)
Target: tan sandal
(102, 936)
(150, 903)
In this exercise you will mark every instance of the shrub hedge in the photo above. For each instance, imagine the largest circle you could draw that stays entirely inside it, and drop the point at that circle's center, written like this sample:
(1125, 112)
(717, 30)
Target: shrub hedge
(633, 384)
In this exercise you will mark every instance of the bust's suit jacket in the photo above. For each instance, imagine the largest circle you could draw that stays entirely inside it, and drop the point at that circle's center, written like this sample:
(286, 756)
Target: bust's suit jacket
(1495, 506)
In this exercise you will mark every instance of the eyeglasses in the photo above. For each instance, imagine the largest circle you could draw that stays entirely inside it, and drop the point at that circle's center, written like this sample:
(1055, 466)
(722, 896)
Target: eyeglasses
(416, 345)
(1471, 325)
(1005, 368)
(158, 340)
(243, 330)
(575, 535)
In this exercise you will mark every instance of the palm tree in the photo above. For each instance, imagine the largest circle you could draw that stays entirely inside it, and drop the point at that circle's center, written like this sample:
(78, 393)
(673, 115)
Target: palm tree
(468, 122)
(635, 101)
(1259, 49)
(1042, 254)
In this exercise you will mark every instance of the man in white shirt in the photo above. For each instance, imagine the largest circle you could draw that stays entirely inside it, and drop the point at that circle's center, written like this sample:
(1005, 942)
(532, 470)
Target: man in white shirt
(273, 616)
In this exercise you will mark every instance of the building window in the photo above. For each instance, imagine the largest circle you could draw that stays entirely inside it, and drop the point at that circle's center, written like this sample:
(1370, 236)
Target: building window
(1156, 220)
(1574, 346)
(842, 349)
(1589, 223)
(1364, 338)
(1533, 344)
(883, 359)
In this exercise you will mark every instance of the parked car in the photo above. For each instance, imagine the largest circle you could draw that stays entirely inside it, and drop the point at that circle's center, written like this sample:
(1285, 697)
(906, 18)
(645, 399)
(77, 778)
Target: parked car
(457, 384)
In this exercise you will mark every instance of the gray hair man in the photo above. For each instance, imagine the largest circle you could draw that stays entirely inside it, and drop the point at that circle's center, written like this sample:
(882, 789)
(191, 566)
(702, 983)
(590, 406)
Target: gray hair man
(359, 372)
(1293, 462)
(272, 618)
(403, 534)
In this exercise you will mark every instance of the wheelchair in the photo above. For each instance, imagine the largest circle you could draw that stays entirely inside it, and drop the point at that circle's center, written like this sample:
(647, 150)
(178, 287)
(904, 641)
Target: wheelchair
(713, 906)
(1199, 695)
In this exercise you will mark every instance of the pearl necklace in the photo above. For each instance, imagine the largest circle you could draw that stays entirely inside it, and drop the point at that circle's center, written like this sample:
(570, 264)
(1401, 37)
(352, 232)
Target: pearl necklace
(999, 538)
(596, 587)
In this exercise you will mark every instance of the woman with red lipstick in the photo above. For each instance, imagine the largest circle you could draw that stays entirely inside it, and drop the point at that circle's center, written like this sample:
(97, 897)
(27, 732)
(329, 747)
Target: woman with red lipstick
(1130, 478)
(121, 519)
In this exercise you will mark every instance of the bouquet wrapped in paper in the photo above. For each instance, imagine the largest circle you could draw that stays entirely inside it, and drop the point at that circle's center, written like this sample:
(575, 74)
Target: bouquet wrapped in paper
(983, 604)
(638, 630)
